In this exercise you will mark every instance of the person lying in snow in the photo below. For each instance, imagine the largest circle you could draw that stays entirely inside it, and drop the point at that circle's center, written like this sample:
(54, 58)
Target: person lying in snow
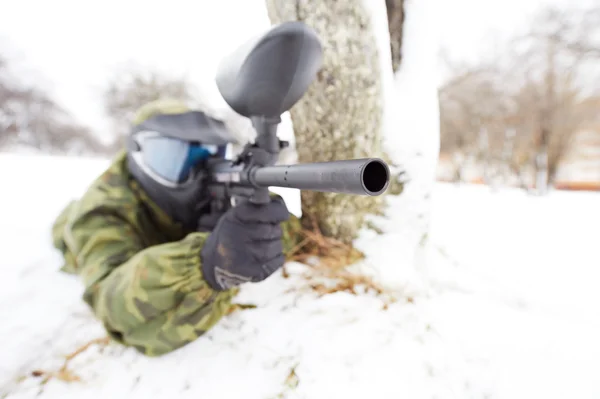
(159, 269)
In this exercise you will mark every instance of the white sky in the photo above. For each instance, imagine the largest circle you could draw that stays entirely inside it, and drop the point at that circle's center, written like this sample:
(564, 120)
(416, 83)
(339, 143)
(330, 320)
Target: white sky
(472, 26)
(71, 47)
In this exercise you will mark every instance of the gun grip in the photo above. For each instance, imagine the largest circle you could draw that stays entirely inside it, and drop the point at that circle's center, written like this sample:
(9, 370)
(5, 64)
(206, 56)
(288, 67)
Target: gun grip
(261, 196)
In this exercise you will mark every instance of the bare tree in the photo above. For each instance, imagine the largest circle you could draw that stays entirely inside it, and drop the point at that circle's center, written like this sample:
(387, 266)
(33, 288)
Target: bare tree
(10, 96)
(576, 31)
(128, 90)
(31, 118)
(549, 64)
(395, 13)
(529, 103)
(473, 109)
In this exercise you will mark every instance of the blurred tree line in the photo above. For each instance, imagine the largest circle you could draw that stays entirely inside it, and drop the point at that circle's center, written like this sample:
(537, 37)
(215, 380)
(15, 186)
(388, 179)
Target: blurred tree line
(517, 115)
(30, 118)
(129, 89)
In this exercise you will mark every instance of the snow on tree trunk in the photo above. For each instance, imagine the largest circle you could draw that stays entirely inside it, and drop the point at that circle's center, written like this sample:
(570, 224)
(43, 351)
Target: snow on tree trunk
(340, 116)
(412, 131)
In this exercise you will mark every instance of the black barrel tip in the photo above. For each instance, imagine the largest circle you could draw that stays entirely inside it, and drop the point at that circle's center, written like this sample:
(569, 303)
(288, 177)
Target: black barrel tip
(375, 177)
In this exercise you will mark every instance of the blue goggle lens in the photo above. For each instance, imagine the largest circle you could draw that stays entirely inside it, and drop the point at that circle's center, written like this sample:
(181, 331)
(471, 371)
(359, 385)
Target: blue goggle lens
(173, 159)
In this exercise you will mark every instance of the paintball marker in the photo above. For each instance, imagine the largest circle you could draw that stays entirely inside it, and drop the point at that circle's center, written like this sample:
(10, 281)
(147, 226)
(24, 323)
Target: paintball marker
(261, 80)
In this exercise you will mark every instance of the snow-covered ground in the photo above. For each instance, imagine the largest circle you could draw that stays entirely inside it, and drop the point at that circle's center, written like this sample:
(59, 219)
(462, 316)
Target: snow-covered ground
(511, 309)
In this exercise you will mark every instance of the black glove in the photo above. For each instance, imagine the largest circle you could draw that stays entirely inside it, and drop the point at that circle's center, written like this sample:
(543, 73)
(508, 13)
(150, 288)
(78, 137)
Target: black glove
(245, 245)
(208, 221)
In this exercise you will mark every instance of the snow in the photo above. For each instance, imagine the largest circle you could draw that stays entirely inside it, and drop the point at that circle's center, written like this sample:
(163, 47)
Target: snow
(510, 310)
(411, 132)
(499, 304)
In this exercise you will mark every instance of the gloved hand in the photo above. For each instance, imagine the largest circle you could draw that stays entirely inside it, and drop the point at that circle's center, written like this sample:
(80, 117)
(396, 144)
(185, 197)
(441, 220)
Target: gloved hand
(208, 221)
(245, 245)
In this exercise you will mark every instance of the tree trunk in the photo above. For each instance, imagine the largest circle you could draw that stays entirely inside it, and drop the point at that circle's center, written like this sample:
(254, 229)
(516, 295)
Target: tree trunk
(340, 116)
(541, 170)
(395, 13)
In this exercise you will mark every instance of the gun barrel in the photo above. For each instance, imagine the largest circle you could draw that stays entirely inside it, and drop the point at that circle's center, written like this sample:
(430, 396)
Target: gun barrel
(367, 176)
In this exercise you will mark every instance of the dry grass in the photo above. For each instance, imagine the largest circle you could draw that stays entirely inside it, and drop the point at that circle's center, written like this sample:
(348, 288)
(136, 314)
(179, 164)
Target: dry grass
(240, 306)
(329, 273)
(64, 373)
(331, 253)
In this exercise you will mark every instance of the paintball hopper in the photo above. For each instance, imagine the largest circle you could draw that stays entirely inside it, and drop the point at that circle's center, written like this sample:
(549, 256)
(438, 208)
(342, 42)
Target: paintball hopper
(261, 80)
(269, 73)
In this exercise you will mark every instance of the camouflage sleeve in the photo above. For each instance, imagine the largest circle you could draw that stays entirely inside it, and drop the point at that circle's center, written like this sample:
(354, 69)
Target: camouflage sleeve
(154, 299)
(148, 295)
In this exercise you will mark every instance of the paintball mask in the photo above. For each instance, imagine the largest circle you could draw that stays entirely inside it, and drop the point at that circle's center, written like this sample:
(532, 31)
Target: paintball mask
(171, 161)
(166, 152)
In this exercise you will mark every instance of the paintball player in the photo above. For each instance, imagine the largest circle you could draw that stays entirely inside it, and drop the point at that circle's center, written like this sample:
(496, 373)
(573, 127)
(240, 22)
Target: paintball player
(159, 268)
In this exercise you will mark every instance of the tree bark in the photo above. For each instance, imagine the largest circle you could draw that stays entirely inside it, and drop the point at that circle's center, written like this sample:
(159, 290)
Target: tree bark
(395, 12)
(340, 116)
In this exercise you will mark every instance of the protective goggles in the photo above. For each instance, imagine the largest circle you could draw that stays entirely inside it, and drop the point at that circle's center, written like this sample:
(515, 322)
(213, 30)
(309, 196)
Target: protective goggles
(169, 160)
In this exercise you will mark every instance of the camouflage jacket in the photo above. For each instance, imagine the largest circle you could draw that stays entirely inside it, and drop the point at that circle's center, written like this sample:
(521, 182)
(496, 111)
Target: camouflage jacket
(141, 271)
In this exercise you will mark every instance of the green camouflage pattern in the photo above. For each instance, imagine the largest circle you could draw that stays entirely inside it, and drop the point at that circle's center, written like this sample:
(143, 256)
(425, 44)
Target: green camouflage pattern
(141, 271)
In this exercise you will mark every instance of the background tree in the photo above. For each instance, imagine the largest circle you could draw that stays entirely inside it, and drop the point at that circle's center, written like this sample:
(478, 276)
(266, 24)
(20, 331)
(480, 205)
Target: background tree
(528, 100)
(30, 118)
(128, 90)
(395, 14)
(472, 112)
(576, 31)
(548, 60)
